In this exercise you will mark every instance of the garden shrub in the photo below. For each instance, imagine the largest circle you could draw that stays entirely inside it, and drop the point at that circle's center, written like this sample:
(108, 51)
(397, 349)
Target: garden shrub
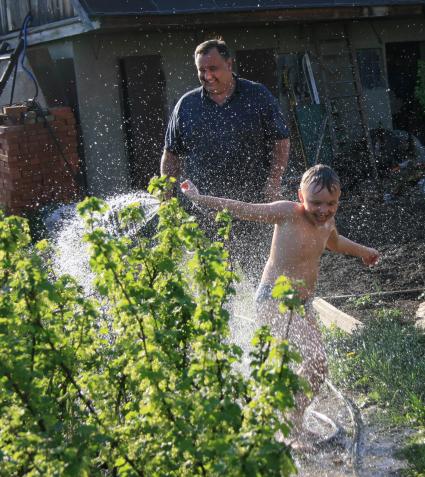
(137, 380)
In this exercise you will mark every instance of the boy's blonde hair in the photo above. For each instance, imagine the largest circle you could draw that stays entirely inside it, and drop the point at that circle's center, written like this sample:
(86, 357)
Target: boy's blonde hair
(322, 175)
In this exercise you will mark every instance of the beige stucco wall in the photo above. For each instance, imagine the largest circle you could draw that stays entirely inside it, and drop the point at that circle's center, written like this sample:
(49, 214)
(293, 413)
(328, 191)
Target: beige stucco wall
(24, 86)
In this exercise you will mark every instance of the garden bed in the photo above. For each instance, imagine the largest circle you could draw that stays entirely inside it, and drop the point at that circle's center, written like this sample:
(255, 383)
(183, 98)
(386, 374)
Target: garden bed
(365, 307)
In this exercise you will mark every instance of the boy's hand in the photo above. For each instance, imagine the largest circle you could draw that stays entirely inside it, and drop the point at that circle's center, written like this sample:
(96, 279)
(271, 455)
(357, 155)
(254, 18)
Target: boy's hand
(370, 256)
(189, 189)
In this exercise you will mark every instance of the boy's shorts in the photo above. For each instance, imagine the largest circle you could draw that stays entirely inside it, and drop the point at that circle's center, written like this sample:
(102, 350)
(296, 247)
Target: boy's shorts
(301, 330)
(264, 294)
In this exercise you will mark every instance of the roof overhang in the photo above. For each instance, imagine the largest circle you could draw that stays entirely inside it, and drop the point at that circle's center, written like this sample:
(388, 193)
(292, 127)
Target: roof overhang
(192, 21)
(96, 8)
(54, 31)
(273, 16)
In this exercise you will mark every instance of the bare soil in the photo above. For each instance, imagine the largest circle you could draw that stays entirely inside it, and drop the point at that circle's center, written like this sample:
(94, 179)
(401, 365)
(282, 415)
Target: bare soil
(397, 229)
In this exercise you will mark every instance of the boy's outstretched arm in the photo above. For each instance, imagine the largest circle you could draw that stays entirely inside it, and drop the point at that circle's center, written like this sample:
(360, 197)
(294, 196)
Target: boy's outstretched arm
(272, 213)
(338, 243)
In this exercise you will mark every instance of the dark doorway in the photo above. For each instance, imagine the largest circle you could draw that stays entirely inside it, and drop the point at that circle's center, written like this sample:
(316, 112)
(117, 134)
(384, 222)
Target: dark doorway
(143, 86)
(258, 65)
(402, 67)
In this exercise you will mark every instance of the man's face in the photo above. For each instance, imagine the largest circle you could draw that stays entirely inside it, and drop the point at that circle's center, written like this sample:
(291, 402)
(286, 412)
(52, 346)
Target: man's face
(320, 205)
(214, 72)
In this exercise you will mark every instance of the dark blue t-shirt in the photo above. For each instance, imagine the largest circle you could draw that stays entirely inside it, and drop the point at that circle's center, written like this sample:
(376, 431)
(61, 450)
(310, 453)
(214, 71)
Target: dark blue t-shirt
(226, 149)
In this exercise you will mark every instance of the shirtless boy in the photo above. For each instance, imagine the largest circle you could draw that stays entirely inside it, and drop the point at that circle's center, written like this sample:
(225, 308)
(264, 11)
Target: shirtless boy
(302, 231)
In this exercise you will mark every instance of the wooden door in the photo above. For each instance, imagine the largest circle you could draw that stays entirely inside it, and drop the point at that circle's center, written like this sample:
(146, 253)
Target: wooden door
(143, 88)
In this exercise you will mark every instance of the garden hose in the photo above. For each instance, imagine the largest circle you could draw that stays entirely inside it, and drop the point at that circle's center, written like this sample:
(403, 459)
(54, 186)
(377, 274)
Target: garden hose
(357, 421)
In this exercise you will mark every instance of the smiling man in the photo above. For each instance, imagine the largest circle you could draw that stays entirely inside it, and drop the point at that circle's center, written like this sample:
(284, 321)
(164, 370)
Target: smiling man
(215, 75)
(229, 135)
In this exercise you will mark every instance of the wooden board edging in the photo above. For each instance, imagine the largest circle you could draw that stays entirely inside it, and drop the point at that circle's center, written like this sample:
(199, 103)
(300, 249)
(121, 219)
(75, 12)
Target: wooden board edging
(330, 315)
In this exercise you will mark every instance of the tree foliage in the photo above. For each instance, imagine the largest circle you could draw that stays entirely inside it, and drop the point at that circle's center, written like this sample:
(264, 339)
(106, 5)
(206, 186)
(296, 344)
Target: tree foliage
(138, 380)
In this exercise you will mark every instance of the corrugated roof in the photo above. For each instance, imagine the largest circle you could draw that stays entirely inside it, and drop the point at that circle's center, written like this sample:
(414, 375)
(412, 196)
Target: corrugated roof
(167, 7)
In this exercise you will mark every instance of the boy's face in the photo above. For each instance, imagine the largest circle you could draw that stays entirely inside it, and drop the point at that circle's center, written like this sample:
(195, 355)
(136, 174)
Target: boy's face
(320, 205)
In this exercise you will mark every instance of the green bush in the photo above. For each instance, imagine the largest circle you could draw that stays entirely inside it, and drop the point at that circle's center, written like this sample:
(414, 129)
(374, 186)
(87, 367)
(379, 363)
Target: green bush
(138, 380)
(384, 359)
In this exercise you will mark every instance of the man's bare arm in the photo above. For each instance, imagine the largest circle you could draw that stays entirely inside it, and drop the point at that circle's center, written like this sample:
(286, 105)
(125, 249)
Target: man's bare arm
(271, 213)
(280, 155)
(170, 164)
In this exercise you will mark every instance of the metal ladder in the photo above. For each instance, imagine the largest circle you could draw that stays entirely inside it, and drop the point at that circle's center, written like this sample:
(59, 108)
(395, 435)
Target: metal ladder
(343, 96)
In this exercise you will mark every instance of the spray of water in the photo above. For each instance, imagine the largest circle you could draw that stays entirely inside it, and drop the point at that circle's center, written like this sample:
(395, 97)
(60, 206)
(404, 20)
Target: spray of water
(243, 321)
(67, 230)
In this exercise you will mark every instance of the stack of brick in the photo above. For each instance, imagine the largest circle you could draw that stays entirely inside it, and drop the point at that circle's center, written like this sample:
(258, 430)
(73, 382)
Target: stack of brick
(35, 168)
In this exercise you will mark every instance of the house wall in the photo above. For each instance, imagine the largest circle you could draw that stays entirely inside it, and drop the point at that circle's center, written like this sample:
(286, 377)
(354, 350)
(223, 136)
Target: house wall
(24, 87)
(99, 91)
(97, 57)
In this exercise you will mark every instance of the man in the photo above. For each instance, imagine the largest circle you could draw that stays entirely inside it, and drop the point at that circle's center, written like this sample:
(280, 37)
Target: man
(230, 136)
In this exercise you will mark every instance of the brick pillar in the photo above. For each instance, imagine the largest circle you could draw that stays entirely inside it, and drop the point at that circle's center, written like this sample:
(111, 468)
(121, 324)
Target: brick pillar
(33, 171)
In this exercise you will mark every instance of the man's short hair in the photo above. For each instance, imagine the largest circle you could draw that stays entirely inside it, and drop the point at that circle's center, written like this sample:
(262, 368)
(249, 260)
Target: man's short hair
(206, 46)
(322, 175)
